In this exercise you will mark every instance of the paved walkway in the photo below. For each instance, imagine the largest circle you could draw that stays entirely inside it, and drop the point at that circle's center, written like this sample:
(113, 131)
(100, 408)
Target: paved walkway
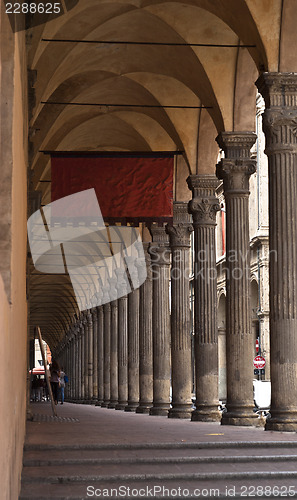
(88, 446)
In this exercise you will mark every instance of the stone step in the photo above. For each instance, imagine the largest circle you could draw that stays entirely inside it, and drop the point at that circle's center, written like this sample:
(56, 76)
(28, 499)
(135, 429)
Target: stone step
(236, 488)
(155, 460)
(60, 454)
(72, 474)
(162, 446)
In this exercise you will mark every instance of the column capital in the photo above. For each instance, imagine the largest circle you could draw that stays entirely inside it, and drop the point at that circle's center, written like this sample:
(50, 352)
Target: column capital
(204, 204)
(159, 248)
(236, 175)
(236, 145)
(179, 231)
(237, 166)
(278, 89)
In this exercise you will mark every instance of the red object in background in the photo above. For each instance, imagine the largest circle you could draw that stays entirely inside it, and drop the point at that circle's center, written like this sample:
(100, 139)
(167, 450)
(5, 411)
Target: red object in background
(257, 346)
(259, 362)
(126, 187)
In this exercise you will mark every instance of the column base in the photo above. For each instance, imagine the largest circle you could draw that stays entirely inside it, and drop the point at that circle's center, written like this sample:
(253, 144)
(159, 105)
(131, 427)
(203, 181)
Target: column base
(112, 404)
(121, 405)
(105, 404)
(131, 406)
(144, 408)
(99, 403)
(160, 409)
(207, 413)
(282, 421)
(180, 411)
(242, 416)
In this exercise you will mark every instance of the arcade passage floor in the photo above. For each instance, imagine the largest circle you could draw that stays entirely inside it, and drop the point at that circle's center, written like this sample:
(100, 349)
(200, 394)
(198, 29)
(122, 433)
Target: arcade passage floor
(92, 452)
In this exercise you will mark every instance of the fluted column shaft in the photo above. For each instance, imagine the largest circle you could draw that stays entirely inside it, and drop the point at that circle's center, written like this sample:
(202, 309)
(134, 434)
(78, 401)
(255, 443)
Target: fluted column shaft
(279, 124)
(122, 352)
(133, 351)
(107, 312)
(204, 206)
(235, 170)
(146, 339)
(100, 326)
(82, 337)
(90, 355)
(76, 368)
(160, 256)
(95, 354)
(179, 236)
(114, 393)
(86, 358)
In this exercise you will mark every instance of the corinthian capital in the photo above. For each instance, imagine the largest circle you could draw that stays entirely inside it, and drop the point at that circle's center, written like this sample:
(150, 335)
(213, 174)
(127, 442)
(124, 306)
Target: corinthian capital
(204, 204)
(236, 174)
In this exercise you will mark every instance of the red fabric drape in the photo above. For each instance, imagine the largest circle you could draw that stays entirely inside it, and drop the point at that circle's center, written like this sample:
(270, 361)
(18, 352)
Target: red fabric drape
(131, 187)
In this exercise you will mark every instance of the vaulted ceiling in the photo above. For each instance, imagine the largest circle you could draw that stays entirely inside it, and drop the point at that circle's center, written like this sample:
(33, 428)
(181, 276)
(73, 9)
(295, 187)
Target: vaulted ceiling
(179, 56)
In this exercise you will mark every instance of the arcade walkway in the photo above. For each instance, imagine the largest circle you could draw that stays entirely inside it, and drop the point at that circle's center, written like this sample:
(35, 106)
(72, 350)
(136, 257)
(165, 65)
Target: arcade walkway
(103, 450)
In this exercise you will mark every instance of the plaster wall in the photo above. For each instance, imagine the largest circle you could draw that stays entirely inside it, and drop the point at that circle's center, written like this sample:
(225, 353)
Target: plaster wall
(13, 307)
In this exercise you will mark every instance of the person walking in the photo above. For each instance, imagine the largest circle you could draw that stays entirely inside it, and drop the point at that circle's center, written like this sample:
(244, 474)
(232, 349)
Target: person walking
(55, 379)
(62, 385)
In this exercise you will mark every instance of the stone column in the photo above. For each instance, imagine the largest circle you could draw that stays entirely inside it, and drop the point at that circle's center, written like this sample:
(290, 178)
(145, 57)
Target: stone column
(76, 370)
(280, 127)
(107, 311)
(86, 358)
(95, 355)
(100, 315)
(114, 393)
(235, 170)
(160, 257)
(179, 236)
(203, 207)
(90, 356)
(82, 357)
(146, 339)
(122, 343)
(133, 350)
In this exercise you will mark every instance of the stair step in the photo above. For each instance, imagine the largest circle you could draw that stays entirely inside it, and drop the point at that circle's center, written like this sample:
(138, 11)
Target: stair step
(159, 460)
(222, 488)
(162, 446)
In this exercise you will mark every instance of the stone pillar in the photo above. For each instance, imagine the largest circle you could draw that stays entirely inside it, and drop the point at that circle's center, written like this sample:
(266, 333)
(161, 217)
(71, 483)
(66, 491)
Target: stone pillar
(95, 355)
(86, 358)
(76, 371)
(100, 315)
(146, 339)
(203, 207)
(90, 356)
(82, 357)
(122, 342)
(107, 311)
(160, 257)
(279, 124)
(114, 393)
(235, 170)
(179, 236)
(133, 350)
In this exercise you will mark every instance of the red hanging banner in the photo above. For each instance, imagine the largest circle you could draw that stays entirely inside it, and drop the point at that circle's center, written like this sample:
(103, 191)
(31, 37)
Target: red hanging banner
(134, 188)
